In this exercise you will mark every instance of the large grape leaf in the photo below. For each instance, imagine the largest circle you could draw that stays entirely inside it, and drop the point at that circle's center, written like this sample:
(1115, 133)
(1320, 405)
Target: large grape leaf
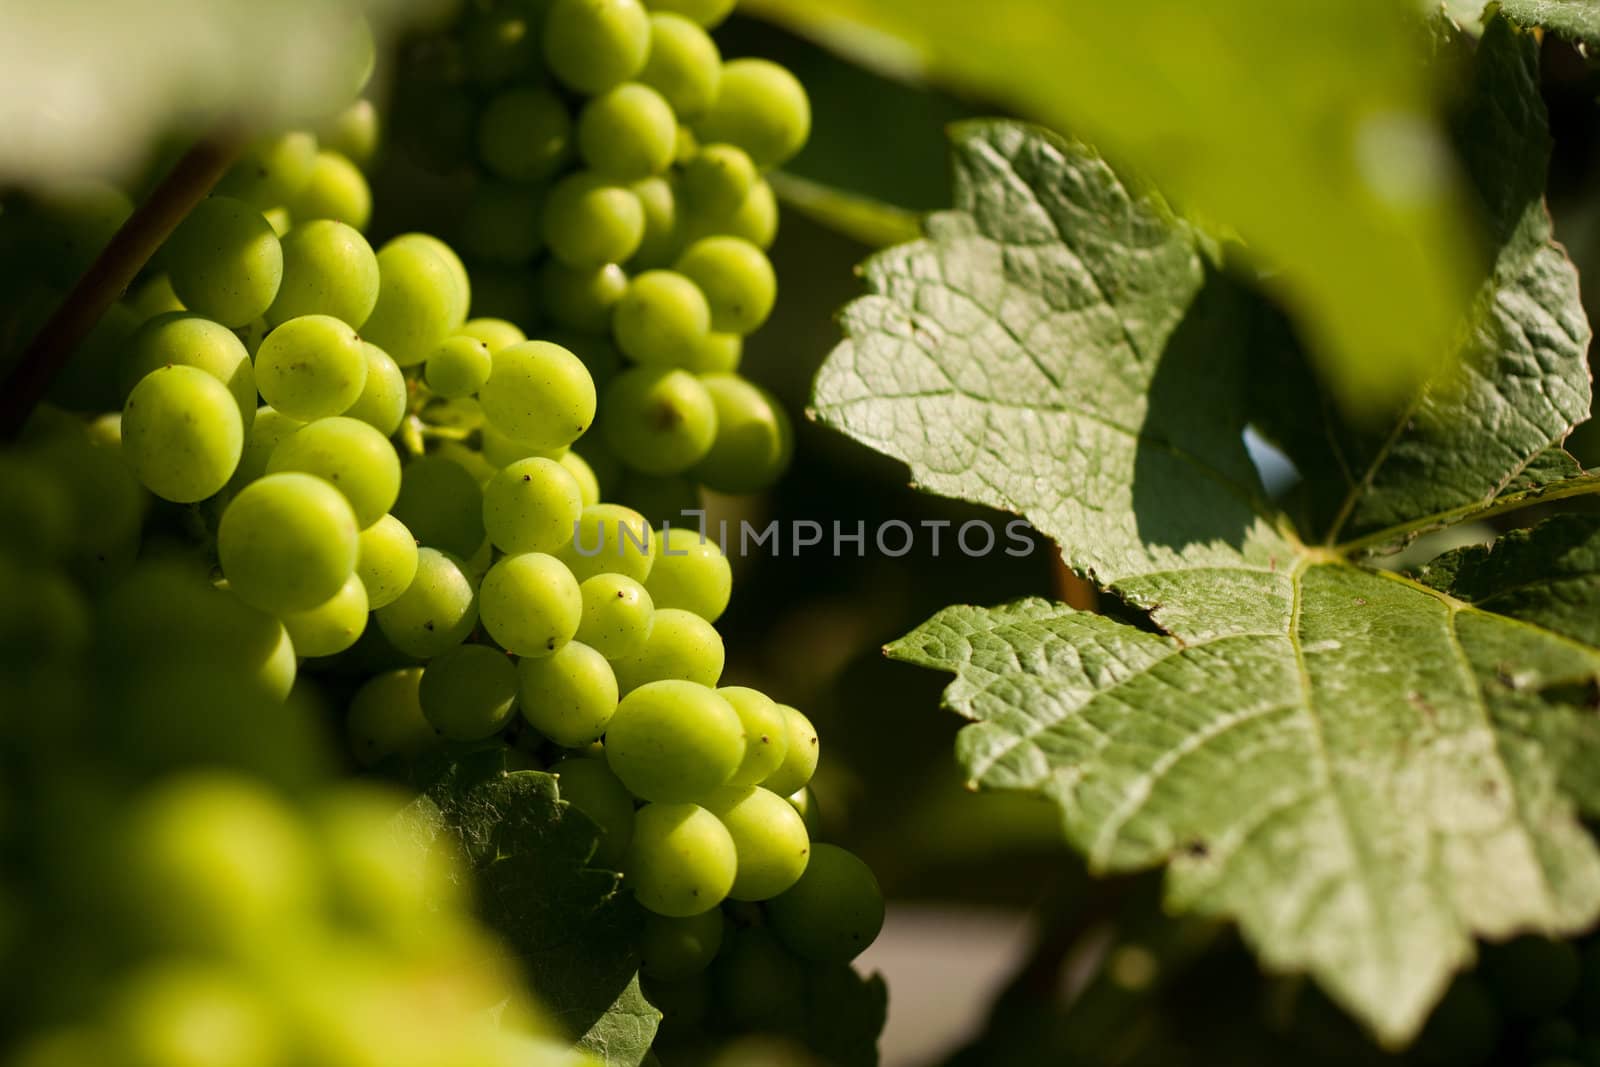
(1364, 770)
(1577, 19)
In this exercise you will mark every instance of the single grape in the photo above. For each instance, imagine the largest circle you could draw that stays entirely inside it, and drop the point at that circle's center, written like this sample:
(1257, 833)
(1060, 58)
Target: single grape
(681, 861)
(718, 178)
(588, 785)
(524, 134)
(328, 269)
(278, 218)
(707, 13)
(658, 421)
(674, 741)
(609, 538)
(756, 220)
(461, 281)
(311, 367)
(570, 695)
(437, 610)
(770, 837)
(684, 64)
(662, 239)
(755, 440)
(502, 44)
(736, 278)
(766, 735)
(225, 262)
(441, 504)
(532, 505)
(833, 912)
(800, 757)
(661, 319)
(589, 221)
(500, 223)
(287, 542)
(384, 394)
(271, 171)
(337, 190)
(539, 393)
(154, 297)
(530, 604)
(760, 107)
(690, 572)
(182, 434)
(583, 474)
(387, 561)
(419, 302)
(332, 626)
(616, 614)
(591, 45)
(353, 132)
(628, 132)
(182, 339)
(267, 431)
(385, 718)
(680, 646)
(496, 333)
(350, 455)
(500, 451)
(581, 299)
(759, 985)
(469, 692)
(674, 949)
(459, 366)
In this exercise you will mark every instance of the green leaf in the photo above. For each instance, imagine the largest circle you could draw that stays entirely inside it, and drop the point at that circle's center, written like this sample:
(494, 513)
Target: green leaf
(1334, 173)
(566, 922)
(1578, 19)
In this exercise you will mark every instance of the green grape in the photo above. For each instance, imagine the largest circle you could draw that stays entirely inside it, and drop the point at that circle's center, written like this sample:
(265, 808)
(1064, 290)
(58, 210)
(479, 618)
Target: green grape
(267, 430)
(387, 561)
(662, 240)
(833, 912)
(589, 786)
(272, 171)
(278, 218)
(385, 718)
(736, 278)
(352, 456)
(760, 107)
(471, 461)
(691, 573)
(437, 610)
(718, 178)
(1532, 977)
(353, 132)
(800, 755)
(570, 695)
(287, 542)
(183, 1013)
(591, 45)
(332, 626)
(182, 339)
(658, 421)
(756, 220)
(684, 64)
(524, 134)
(628, 132)
(755, 440)
(680, 646)
(419, 302)
(182, 434)
(766, 735)
(496, 333)
(589, 222)
(805, 802)
(469, 692)
(720, 353)
(581, 298)
(708, 13)
(759, 987)
(583, 474)
(225, 262)
(609, 538)
(154, 297)
(539, 393)
(616, 614)
(212, 860)
(311, 367)
(674, 949)
(328, 269)
(502, 44)
(459, 366)
(659, 498)
(384, 394)
(441, 505)
(337, 190)
(532, 505)
(530, 604)
(661, 319)
(681, 861)
(674, 741)
(461, 288)
(500, 223)
(770, 837)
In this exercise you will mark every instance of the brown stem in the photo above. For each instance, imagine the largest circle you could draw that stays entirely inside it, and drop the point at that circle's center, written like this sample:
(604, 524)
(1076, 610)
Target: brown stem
(111, 274)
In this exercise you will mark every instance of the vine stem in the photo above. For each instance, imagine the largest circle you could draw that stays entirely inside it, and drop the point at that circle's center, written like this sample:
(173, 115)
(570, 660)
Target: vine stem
(109, 276)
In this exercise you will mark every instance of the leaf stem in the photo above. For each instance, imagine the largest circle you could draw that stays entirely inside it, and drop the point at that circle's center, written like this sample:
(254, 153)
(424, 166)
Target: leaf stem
(1583, 485)
(109, 276)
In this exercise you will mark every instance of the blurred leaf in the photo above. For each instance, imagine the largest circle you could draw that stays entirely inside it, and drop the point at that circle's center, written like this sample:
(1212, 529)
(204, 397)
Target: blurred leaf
(1578, 19)
(1334, 172)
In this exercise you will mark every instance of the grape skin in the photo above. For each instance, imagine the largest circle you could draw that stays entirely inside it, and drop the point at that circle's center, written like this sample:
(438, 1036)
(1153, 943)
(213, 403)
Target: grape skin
(659, 421)
(675, 949)
(539, 393)
(436, 612)
(348, 454)
(737, 279)
(681, 861)
(833, 912)
(311, 367)
(799, 759)
(469, 692)
(770, 838)
(530, 604)
(628, 132)
(617, 614)
(674, 741)
(755, 439)
(609, 539)
(328, 269)
(387, 561)
(570, 695)
(680, 646)
(332, 626)
(287, 542)
(532, 505)
(189, 340)
(459, 366)
(225, 262)
(766, 734)
(684, 64)
(182, 433)
(385, 718)
(661, 319)
(384, 394)
(690, 572)
(591, 45)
